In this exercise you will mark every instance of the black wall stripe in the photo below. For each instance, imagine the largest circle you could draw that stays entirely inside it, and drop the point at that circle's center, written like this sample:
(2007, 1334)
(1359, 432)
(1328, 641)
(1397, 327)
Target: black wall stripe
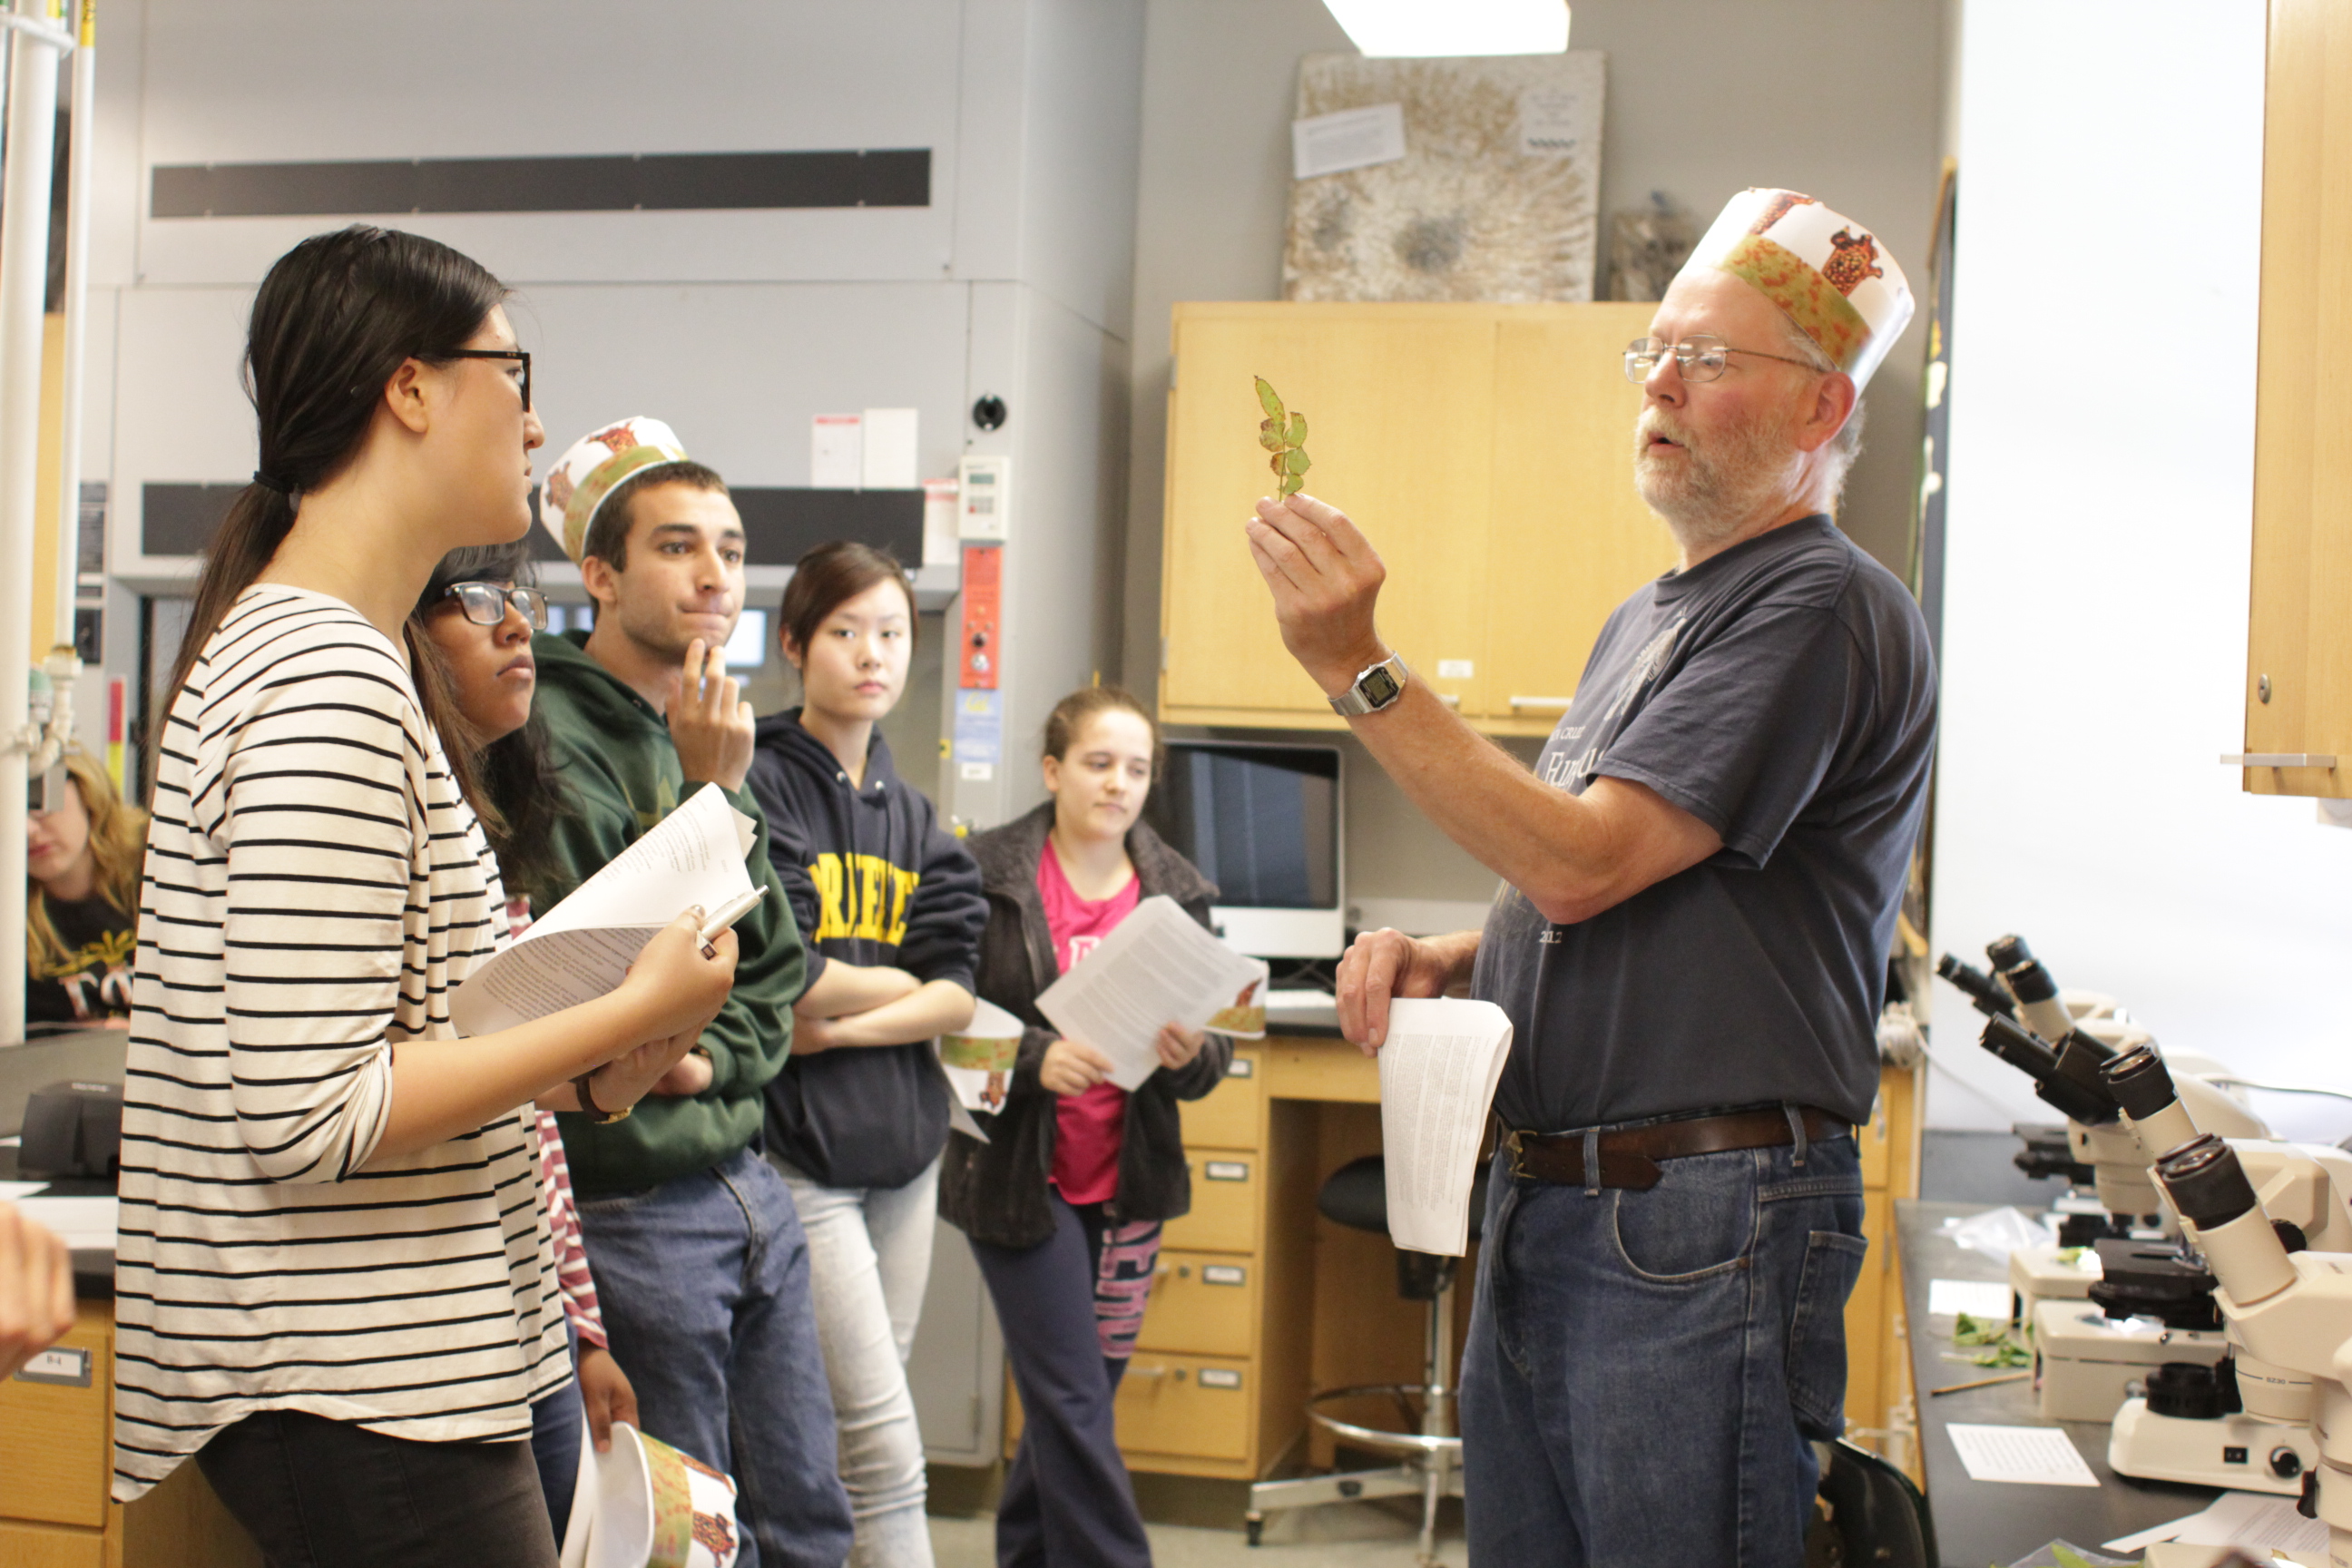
(780, 525)
(659, 182)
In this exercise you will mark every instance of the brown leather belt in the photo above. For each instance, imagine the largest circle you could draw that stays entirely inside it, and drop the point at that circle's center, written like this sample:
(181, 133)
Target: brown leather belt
(1629, 1156)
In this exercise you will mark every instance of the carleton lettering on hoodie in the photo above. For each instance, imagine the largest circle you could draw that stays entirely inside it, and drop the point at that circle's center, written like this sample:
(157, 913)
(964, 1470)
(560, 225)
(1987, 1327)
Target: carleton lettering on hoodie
(873, 879)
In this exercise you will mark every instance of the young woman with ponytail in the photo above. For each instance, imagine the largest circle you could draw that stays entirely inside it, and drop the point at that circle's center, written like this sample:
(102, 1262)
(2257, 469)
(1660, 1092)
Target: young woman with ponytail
(334, 1281)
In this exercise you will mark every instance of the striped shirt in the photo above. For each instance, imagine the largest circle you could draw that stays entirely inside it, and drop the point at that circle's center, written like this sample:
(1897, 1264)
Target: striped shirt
(315, 888)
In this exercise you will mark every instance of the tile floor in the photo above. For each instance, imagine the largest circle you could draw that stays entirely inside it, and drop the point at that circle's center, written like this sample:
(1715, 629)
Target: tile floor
(1342, 1535)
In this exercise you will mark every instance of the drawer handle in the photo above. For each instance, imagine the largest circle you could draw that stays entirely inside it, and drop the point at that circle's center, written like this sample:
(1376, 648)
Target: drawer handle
(1562, 703)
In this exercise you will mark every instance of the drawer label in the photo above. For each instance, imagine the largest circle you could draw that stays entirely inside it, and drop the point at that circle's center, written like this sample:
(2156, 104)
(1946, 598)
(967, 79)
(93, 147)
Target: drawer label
(1224, 1274)
(1227, 1170)
(68, 1368)
(1242, 1067)
(1219, 1377)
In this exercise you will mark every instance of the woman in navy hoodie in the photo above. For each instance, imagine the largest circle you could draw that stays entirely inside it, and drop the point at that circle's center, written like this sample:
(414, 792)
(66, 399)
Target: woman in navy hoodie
(891, 908)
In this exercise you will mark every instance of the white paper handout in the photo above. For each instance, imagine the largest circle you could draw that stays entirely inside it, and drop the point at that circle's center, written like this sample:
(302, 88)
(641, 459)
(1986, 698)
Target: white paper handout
(86, 1224)
(581, 949)
(1977, 1298)
(1157, 967)
(2248, 1521)
(1438, 1072)
(2034, 1456)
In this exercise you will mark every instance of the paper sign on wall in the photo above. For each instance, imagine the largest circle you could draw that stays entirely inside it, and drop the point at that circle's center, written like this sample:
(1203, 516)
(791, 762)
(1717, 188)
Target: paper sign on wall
(1350, 139)
(836, 452)
(888, 437)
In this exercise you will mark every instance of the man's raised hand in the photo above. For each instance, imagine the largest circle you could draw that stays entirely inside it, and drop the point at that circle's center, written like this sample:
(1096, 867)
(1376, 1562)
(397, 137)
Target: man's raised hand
(709, 722)
(1326, 577)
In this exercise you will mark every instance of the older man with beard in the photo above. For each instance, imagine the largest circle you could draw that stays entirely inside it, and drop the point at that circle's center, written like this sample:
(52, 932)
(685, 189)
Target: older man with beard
(1700, 883)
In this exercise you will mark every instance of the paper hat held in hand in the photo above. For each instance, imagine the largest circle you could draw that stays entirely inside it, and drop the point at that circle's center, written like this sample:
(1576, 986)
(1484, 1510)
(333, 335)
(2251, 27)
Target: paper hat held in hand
(1830, 274)
(593, 466)
(646, 1505)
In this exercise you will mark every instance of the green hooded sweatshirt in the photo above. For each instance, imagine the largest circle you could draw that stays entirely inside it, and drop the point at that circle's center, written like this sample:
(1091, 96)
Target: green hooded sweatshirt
(624, 776)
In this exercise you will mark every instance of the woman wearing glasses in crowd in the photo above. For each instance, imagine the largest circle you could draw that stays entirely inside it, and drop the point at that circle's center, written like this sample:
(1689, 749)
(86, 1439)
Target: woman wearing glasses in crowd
(889, 907)
(477, 618)
(326, 1289)
(1064, 1203)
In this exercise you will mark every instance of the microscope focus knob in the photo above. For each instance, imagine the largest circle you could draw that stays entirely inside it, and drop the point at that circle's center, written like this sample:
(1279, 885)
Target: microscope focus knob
(2286, 1463)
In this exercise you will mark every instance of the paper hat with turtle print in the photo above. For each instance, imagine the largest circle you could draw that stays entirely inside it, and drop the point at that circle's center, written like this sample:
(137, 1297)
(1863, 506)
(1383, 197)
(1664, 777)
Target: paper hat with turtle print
(1830, 274)
(594, 467)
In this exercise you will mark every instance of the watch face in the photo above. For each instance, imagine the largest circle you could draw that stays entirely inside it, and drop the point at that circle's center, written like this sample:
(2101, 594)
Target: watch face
(1379, 687)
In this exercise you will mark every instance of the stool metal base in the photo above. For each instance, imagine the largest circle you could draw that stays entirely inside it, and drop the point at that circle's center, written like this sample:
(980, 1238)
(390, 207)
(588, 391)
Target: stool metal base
(1430, 1468)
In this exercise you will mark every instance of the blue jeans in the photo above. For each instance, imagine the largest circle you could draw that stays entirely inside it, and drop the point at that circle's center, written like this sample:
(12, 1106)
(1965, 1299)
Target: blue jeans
(1645, 1368)
(704, 1285)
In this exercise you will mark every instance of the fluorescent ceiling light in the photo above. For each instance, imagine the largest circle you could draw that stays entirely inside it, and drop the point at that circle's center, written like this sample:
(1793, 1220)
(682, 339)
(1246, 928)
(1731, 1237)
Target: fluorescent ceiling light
(1390, 28)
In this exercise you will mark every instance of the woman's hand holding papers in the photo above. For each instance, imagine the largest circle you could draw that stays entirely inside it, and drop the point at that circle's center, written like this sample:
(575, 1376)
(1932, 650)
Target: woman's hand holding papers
(1073, 1067)
(1177, 1045)
(677, 989)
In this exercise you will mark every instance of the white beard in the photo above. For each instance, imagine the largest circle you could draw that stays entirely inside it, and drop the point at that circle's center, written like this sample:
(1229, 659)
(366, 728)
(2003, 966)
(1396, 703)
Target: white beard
(1746, 474)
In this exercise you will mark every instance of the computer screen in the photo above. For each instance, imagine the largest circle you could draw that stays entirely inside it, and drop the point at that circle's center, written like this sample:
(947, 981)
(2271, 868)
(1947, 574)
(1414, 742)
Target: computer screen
(1262, 822)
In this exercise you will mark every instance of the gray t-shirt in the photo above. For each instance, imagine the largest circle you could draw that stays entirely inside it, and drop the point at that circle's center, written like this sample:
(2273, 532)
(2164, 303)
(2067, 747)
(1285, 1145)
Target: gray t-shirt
(1783, 693)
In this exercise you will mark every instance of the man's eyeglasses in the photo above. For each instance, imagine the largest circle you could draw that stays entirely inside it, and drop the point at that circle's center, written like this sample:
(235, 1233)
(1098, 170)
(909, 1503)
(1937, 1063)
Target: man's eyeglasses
(485, 604)
(520, 356)
(1702, 356)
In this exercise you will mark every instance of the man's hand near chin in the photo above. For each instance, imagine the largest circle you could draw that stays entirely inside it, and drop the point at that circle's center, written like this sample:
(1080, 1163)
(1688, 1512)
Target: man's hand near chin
(709, 722)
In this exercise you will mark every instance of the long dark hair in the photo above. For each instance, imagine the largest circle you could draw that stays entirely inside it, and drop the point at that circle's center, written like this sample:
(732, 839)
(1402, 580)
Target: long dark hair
(333, 319)
(512, 784)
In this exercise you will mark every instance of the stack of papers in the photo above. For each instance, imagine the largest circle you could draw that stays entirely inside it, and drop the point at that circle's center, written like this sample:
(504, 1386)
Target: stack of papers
(2029, 1456)
(1157, 967)
(1438, 1071)
(2254, 1524)
(581, 949)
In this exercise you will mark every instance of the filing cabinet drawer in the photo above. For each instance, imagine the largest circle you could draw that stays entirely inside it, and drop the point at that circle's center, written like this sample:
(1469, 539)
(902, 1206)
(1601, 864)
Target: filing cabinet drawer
(1224, 1204)
(1192, 1407)
(41, 1546)
(1203, 1302)
(1227, 1116)
(55, 1461)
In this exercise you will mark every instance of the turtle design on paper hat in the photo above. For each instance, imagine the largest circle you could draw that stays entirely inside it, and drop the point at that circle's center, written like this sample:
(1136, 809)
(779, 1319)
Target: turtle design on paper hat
(1853, 258)
(1827, 273)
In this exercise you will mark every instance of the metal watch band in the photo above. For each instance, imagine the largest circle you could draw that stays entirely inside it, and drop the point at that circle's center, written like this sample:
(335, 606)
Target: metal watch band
(1375, 687)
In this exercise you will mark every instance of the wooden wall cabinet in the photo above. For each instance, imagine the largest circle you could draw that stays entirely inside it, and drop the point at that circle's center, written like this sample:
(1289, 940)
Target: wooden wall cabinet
(1485, 450)
(2299, 644)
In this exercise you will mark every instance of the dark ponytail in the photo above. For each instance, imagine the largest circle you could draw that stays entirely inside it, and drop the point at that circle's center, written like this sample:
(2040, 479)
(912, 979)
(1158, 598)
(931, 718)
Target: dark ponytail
(333, 319)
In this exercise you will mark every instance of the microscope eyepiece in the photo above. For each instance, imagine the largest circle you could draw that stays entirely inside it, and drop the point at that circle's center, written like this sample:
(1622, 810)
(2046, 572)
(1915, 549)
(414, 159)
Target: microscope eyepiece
(2066, 1080)
(2139, 1080)
(2007, 951)
(1983, 992)
(2206, 1182)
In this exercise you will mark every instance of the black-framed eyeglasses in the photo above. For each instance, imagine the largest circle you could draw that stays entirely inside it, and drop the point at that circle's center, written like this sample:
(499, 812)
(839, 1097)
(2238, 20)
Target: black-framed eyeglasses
(485, 604)
(1702, 356)
(520, 356)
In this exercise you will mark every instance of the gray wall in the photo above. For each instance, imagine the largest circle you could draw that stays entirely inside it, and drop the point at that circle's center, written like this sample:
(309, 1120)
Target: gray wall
(1841, 99)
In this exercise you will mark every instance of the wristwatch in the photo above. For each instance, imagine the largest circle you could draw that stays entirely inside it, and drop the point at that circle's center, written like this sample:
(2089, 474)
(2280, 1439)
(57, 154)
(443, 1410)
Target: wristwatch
(596, 1115)
(1374, 689)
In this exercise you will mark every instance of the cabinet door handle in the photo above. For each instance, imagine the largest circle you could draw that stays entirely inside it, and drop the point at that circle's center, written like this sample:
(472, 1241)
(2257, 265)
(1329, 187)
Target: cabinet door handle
(2280, 760)
(1559, 702)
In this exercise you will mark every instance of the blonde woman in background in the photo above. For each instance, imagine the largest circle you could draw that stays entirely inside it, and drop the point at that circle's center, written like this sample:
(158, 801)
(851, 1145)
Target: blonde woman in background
(81, 899)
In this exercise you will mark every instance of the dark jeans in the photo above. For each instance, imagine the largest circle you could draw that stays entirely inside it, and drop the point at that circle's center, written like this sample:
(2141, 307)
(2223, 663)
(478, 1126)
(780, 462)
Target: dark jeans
(1068, 1501)
(703, 1283)
(558, 1428)
(1644, 1368)
(315, 1493)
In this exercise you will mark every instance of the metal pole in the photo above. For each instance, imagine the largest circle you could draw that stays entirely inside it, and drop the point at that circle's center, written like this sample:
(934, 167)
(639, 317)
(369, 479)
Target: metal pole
(23, 277)
(81, 155)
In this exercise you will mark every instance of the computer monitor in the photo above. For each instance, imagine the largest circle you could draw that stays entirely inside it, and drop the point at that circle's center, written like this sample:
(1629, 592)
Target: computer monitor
(1262, 822)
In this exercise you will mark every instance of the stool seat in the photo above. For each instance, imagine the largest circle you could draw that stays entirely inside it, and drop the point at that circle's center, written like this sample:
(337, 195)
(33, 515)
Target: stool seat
(1357, 1195)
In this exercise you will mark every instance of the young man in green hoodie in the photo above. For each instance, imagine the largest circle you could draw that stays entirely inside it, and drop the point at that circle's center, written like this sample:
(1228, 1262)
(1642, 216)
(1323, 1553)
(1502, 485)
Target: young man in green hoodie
(701, 1267)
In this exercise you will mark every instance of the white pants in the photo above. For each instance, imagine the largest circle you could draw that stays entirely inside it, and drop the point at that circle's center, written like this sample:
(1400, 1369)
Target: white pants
(870, 1258)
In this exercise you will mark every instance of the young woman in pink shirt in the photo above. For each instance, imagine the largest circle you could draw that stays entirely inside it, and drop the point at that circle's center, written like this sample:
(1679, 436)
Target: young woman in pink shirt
(1065, 1202)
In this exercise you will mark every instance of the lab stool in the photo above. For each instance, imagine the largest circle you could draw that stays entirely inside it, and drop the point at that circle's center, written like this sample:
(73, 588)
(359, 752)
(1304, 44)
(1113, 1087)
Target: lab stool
(1428, 1446)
